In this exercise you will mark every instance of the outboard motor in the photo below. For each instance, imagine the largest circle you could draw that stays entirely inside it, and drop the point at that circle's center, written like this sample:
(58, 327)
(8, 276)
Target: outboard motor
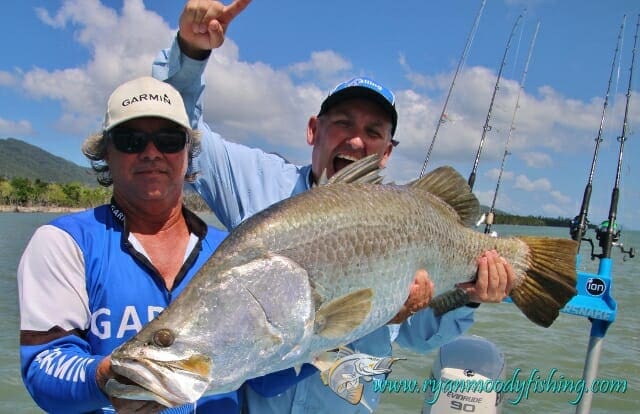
(470, 360)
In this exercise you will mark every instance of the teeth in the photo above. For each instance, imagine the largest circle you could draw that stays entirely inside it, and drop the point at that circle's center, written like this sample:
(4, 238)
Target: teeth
(347, 157)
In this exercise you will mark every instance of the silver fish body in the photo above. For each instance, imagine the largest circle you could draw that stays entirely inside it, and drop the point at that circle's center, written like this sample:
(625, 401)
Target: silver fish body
(318, 271)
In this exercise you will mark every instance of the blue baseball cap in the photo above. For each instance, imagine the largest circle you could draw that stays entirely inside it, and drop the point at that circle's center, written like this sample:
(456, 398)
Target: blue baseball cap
(364, 88)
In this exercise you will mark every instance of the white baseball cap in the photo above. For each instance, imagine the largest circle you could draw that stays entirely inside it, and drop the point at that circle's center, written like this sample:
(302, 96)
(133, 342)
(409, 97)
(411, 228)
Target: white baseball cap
(145, 97)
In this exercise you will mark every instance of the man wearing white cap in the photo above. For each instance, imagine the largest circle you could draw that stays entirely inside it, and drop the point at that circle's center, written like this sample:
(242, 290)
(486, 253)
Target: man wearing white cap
(357, 119)
(89, 281)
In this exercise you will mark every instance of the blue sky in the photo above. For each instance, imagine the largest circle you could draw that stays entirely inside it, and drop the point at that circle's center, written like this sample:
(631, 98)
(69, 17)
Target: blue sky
(63, 58)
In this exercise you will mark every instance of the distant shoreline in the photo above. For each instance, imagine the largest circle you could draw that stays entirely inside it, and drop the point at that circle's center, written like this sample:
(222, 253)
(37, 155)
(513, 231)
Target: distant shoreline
(4, 208)
(38, 209)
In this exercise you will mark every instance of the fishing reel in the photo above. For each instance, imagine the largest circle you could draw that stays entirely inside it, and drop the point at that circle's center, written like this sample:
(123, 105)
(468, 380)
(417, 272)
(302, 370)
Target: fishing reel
(602, 235)
(628, 254)
(576, 228)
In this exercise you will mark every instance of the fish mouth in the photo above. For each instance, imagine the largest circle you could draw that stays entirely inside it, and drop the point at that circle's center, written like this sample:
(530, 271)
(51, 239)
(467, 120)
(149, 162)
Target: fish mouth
(342, 160)
(171, 383)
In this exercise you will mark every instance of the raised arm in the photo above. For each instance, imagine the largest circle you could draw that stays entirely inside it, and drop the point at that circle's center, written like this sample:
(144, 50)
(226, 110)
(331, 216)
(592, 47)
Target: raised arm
(234, 180)
(203, 25)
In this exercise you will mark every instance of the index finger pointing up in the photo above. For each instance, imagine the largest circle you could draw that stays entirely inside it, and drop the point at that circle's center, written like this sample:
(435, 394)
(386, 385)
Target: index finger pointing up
(232, 10)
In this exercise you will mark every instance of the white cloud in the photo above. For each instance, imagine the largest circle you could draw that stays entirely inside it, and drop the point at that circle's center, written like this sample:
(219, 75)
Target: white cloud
(560, 198)
(252, 99)
(119, 51)
(494, 173)
(417, 79)
(10, 128)
(266, 106)
(244, 99)
(524, 183)
(553, 210)
(536, 159)
(323, 64)
(8, 79)
(543, 125)
(485, 197)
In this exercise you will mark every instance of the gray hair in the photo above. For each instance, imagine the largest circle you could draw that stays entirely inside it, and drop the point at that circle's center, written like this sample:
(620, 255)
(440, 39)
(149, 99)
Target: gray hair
(95, 149)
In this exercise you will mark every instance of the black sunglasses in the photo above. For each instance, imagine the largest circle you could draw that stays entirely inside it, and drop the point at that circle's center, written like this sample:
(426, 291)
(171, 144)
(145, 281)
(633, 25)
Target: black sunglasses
(132, 141)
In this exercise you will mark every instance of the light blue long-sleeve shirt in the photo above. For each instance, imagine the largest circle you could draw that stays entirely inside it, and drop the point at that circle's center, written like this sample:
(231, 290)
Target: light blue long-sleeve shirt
(236, 182)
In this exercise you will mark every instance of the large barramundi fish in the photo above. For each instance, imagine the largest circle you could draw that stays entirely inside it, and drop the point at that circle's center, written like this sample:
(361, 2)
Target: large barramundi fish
(320, 270)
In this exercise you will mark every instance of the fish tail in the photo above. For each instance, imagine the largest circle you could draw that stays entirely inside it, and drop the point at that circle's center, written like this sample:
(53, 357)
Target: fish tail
(549, 281)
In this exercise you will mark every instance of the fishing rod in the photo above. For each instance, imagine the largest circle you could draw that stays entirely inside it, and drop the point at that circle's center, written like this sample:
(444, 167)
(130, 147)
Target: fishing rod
(461, 62)
(580, 222)
(490, 214)
(486, 128)
(606, 240)
(600, 324)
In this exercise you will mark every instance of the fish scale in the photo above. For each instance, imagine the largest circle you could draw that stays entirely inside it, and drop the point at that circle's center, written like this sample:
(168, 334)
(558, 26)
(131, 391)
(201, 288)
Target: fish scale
(396, 244)
(320, 270)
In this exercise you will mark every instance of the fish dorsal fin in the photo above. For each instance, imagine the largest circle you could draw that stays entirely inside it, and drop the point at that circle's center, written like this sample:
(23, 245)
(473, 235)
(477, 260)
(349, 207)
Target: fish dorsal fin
(364, 171)
(342, 315)
(448, 185)
(344, 351)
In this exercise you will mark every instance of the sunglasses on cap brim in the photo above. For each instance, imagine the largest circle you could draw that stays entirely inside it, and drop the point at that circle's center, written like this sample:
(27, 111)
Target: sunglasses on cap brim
(131, 141)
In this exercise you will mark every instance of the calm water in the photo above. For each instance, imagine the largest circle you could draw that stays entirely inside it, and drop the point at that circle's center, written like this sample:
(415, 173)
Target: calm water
(525, 345)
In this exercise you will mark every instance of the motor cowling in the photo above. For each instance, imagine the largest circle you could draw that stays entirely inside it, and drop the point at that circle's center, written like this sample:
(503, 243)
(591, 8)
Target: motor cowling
(463, 377)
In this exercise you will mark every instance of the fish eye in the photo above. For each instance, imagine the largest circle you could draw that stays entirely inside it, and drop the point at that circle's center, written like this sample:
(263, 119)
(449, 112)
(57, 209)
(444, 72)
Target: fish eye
(163, 338)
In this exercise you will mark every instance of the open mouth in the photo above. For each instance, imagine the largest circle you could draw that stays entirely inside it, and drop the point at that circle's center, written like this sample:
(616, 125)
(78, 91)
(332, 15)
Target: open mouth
(341, 160)
(169, 383)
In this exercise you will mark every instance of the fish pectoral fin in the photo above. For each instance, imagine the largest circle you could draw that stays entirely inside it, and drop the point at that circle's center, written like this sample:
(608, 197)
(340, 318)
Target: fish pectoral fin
(449, 300)
(342, 315)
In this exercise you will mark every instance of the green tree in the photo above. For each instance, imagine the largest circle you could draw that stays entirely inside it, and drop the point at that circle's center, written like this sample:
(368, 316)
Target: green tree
(56, 196)
(6, 192)
(92, 197)
(22, 190)
(73, 191)
(39, 191)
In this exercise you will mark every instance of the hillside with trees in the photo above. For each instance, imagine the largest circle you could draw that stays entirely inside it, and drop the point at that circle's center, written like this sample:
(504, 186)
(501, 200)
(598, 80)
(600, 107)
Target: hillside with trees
(20, 159)
(33, 177)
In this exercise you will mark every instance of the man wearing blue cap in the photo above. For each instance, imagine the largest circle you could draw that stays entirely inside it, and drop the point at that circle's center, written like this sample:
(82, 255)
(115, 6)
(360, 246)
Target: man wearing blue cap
(358, 118)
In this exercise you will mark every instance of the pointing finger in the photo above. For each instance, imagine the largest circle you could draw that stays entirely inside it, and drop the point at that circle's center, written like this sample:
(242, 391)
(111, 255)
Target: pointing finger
(232, 10)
